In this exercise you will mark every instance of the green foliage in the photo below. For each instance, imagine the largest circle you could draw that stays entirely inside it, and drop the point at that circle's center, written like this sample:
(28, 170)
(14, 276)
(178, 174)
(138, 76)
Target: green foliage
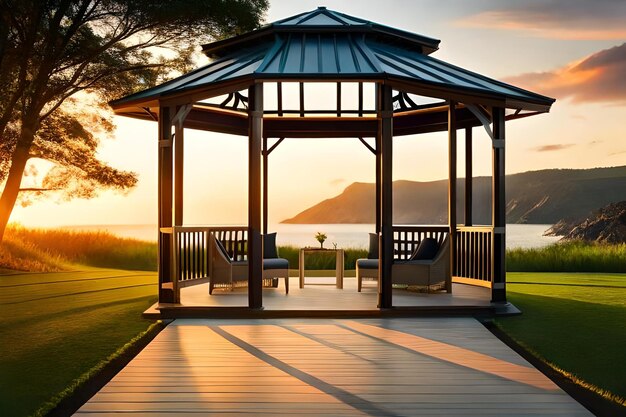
(55, 54)
(60, 325)
(56, 248)
(569, 257)
(321, 237)
(321, 261)
(574, 322)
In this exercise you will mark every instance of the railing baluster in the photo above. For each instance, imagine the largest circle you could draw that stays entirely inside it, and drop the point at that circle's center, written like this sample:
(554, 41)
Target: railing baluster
(474, 252)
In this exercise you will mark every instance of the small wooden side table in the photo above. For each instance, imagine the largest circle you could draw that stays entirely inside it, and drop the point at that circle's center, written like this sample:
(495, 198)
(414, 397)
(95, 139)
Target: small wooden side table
(338, 263)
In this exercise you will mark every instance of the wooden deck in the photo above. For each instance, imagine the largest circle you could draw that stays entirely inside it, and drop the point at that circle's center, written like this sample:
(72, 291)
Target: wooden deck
(374, 367)
(321, 297)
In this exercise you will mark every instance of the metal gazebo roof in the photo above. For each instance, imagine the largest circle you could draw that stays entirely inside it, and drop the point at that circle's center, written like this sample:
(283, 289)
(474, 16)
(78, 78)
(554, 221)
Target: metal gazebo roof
(327, 45)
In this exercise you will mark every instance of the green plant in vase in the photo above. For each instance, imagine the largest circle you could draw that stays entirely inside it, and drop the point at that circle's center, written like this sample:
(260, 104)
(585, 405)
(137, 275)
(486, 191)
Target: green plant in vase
(321, 237)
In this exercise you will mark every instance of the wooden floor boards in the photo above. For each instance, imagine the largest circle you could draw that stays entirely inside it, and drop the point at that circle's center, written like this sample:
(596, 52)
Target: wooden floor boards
(332, 367)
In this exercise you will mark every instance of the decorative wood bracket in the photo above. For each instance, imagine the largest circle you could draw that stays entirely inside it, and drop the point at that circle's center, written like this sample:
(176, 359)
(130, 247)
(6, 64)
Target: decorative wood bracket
(482, 118)
(181, 115)
(497, 143)
(235, 101)
(368, 146)
(402, 102)
(152, 115)
(269, 151)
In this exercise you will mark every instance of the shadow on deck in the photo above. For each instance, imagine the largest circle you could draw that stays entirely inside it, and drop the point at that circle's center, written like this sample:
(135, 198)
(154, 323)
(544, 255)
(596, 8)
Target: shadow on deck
(320, 298)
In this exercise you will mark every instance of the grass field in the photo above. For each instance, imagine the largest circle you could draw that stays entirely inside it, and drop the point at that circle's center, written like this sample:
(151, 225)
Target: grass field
(575, 322)
(57, 326)
(46, 250)
(573, 256)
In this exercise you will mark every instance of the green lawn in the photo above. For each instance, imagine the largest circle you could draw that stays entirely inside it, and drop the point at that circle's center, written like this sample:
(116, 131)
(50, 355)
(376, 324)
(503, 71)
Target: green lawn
(57, 326)
(574, 321)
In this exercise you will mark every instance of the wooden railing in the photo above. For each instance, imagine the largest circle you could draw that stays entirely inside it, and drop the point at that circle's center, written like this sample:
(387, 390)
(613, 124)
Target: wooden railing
(407, 238)
(191, 261)
(474, 255)
(473, 262)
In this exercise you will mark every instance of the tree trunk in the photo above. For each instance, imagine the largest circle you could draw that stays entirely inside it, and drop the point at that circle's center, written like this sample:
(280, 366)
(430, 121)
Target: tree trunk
(14, 178)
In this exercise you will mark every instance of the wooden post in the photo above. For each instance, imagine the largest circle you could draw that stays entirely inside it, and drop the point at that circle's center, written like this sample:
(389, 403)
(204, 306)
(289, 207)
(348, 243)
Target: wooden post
(452, 153)
(179, 151)
(385, 134)
(498, 208)
(255, 249)
(279, 97)
(378, 173)
(301, 99)
(468, 176)
(165, 204)
(265, 185)
(338, 99)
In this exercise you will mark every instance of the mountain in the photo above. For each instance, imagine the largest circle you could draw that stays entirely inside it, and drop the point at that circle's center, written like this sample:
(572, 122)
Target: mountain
(607, 225)
(539, 197)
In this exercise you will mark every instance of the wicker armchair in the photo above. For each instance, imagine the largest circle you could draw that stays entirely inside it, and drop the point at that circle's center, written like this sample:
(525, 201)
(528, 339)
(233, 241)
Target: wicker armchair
(224, 272)
(425, 272)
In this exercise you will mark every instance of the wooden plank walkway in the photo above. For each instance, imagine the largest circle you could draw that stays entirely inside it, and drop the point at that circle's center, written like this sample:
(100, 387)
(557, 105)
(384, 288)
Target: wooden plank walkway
(370, 367)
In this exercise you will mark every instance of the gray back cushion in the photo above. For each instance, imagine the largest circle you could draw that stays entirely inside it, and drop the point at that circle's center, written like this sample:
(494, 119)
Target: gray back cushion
(372, 253)
(221, 248)
(269, 246)
(426, 250)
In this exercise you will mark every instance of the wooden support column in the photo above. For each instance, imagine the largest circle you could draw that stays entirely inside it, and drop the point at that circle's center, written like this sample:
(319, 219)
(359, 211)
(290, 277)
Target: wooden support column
(166, 295)
(255, 249)
(468, 176)
(378, 179)
(265, 185)
(385, 138)
(498, 208)
(179, 151)
(452, 154)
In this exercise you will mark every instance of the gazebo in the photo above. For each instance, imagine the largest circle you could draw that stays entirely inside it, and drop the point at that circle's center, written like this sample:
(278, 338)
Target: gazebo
(327, 46)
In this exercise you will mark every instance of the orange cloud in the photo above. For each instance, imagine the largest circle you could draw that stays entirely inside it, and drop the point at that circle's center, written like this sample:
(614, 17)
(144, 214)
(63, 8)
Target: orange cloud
(597, 78)
(560, 19)
(555, 147)
(337, 181)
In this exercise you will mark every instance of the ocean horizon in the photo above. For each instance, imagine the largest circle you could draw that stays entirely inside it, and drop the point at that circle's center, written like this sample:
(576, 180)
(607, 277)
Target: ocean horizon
(344, 235)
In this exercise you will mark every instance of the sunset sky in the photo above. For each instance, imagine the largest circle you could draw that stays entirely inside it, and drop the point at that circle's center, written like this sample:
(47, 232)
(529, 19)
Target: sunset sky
(573, 50)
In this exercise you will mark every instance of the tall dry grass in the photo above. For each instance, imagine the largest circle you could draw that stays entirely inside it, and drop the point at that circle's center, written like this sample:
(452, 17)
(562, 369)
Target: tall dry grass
(573, 256)
(55, 249)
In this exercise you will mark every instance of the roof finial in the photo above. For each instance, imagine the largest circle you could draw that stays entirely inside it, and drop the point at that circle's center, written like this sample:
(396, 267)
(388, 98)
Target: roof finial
(321, 7)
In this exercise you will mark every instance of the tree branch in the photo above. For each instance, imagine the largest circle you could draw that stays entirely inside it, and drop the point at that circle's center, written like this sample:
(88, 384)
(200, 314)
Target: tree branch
(35, 189)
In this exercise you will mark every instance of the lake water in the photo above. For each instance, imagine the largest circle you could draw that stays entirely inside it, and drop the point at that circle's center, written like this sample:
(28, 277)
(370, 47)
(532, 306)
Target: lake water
(345, 235)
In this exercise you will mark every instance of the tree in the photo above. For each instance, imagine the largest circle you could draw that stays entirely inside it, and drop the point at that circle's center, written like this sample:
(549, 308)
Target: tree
(52, 51)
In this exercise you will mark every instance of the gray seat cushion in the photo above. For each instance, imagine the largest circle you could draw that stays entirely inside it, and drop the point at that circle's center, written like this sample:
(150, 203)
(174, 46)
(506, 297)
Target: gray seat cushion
(367, 263)
(414, 262)
(275, 263)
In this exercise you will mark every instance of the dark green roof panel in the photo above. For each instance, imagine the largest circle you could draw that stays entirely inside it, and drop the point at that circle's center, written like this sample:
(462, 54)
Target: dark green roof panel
(338, 55)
